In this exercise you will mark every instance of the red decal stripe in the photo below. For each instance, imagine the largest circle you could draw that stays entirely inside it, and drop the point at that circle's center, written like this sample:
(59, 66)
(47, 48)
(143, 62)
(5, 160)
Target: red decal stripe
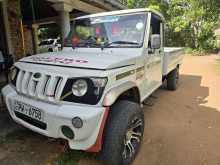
(98, 144)
(59, 60)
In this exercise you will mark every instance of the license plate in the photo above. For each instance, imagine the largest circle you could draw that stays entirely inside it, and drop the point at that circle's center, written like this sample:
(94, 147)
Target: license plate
(28, 110)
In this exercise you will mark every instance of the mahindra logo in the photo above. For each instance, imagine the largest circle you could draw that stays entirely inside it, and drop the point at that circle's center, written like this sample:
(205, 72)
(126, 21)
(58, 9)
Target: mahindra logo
(37, 75)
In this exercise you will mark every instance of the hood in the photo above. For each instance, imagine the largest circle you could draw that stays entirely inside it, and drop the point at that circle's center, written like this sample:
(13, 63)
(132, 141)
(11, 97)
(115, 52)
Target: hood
(87, 60)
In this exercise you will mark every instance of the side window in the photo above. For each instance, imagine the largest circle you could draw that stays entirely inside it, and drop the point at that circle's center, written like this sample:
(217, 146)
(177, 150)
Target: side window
(155, 27)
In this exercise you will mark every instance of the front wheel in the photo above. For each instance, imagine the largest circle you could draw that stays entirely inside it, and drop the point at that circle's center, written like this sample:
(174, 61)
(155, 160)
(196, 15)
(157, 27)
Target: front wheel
(123, 133)
(50, 50)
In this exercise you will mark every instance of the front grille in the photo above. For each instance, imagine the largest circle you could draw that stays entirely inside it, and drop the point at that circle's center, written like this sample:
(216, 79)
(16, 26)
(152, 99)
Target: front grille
(46, 87)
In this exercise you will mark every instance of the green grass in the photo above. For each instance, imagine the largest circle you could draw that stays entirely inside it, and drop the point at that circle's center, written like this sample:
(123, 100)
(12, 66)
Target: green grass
(72, 157)
(69, 157)
(198, 52)
(10, 138)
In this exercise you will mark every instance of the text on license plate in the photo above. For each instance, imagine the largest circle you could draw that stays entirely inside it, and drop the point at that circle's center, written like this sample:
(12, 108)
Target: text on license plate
(28, 110)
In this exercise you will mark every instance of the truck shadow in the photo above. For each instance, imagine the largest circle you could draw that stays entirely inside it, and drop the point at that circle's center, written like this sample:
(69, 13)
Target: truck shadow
(180, 128)
(189, 90)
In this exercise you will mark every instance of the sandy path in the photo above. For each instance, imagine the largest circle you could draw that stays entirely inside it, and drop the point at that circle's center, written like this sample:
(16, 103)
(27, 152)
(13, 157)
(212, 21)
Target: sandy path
(183, 127)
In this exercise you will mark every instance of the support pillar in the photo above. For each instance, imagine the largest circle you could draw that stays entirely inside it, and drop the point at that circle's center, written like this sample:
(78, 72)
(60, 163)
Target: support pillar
(65, 23)
(64, 9)
(7, 27)
(35, 38)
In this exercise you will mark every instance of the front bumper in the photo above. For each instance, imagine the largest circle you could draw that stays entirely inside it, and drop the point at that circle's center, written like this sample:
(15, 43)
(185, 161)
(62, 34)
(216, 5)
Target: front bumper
(56, 116)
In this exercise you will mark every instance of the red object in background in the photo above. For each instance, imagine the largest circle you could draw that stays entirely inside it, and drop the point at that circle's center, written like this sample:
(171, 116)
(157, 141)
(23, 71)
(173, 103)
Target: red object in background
(98, 30)
(115, 29)
(75, 41)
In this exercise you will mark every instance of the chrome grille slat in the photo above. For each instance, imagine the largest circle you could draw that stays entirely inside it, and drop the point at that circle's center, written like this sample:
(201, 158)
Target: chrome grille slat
(32, 87)
(59, 89)
(45, 86)
(51, 87)
(19, 80)
(25, 82)
(40, 86)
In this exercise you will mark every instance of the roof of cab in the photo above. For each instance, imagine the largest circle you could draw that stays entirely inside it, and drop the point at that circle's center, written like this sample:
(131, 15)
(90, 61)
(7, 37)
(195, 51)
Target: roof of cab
(117, 12)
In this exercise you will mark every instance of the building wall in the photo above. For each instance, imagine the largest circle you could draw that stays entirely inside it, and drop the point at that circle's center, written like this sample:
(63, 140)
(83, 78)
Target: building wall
(14, 17)
(3, 45)
(28, 40)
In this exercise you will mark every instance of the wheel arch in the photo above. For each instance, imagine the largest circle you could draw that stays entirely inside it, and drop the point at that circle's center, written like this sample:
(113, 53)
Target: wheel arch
(126, 91)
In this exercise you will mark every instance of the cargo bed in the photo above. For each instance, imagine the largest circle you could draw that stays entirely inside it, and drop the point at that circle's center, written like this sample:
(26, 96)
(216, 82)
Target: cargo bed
(173, 56)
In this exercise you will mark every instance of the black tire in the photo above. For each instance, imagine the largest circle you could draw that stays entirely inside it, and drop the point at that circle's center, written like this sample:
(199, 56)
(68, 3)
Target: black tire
(173, 79)
(123, 117)
(50, 50)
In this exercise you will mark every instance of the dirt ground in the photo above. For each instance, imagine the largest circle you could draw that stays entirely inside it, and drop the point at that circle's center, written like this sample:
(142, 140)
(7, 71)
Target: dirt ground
(182, 127)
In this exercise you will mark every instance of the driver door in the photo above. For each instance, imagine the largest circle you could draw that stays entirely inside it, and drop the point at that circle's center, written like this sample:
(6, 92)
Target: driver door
(153, 58)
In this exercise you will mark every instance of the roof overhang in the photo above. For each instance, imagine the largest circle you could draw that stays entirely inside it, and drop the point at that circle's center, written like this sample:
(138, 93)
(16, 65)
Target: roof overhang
(92, 6)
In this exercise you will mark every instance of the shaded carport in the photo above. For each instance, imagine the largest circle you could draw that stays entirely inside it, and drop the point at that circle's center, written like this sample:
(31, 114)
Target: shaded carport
(36, 13)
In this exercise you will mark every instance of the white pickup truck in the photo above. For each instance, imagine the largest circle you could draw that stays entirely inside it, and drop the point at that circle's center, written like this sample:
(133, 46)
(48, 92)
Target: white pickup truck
(91, 93)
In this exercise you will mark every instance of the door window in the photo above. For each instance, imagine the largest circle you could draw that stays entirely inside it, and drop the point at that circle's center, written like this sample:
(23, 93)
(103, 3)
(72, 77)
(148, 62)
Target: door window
(155, 27)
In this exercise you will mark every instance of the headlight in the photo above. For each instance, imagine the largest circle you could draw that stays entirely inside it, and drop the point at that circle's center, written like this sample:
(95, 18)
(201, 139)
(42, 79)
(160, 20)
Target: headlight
(80, 88)
(99, 82)
(84, 90)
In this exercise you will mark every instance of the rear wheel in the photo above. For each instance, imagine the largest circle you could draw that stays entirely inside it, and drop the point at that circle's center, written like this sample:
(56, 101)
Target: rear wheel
(123, 133)
(173, 79)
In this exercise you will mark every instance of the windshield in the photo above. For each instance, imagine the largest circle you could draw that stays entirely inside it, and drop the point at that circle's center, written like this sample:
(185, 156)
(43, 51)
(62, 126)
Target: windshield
(108, 31)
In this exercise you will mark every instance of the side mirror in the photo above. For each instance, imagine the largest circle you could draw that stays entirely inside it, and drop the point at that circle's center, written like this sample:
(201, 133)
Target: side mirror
(155, 41)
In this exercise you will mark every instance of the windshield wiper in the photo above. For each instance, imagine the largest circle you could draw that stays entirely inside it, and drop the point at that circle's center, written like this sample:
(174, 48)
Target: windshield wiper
(121, 43)
(83, 44)
(106, 45)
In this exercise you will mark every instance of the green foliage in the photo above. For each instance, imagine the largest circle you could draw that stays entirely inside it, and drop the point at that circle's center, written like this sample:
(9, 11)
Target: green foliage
(137, 3)
(72, 157)
(84, 32)
(189, 23)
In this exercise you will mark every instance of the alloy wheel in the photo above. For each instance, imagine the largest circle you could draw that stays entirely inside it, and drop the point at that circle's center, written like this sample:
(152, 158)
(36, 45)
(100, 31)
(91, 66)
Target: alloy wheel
(133, 138)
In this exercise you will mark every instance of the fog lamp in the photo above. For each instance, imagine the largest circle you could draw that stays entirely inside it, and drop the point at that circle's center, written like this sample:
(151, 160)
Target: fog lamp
(77, 122)
(67, 131)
